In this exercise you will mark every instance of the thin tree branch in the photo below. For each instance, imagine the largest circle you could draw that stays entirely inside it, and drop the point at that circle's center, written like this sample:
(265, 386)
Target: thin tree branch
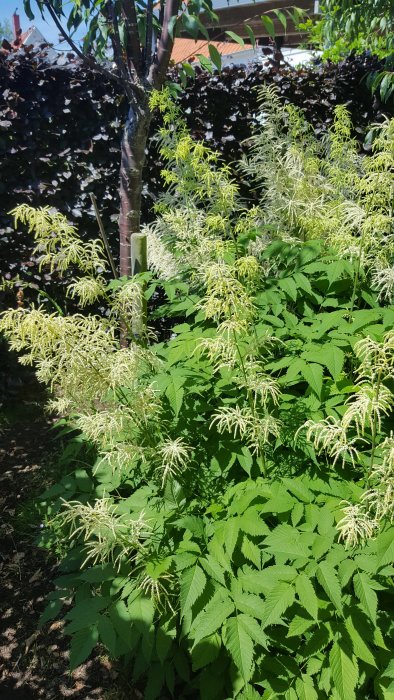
(159, 69)
(86, 59)
(130, 17)
(103, 235)
(161, 19)
(149, 34)
(117, 49)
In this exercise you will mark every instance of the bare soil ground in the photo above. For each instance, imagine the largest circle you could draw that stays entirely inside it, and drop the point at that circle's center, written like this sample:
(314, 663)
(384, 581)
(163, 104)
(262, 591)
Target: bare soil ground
(34, 664)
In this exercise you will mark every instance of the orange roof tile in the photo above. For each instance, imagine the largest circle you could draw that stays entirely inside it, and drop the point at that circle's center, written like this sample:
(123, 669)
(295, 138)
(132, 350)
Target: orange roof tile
(187, 49)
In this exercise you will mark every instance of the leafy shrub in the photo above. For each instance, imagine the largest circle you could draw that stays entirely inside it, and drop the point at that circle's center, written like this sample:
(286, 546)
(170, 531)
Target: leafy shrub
(230, 534)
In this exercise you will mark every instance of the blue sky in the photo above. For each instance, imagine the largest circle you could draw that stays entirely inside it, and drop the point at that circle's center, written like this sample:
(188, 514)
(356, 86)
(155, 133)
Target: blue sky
(46, 27)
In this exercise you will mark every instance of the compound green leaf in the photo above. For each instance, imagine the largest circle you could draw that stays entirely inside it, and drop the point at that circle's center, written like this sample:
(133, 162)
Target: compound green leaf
(141, 610)
(205, 652)
(305, 688)
(240, 646)
(313, 374)
(212, 567)
(385, 547)
(192, 584)
(306, 594)
(251, 551)
(219, 608)
(82, 643)
(360, 648)
(107, 634)
(366, 595)
(231, 533)
(254, 630)
(299, 625)
(328, 579)
(344, 671)
(251, 523)
(276, 603)
(285, 539)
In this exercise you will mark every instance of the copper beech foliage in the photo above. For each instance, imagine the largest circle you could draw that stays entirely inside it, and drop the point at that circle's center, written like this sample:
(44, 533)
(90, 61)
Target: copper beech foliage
(59, 136)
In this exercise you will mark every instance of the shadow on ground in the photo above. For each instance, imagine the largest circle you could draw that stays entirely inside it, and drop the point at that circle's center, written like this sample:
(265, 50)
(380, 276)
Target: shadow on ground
(33, 665)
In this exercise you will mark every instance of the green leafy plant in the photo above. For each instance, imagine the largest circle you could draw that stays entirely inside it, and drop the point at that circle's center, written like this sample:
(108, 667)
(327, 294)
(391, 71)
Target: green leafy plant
(229, 528)
(343, 28)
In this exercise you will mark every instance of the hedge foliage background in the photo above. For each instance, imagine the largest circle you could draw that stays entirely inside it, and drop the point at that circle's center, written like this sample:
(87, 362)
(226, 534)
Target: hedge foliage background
(60, 127)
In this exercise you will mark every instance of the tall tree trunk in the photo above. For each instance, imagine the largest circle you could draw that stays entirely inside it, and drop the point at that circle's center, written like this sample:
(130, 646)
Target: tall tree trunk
(133, 145)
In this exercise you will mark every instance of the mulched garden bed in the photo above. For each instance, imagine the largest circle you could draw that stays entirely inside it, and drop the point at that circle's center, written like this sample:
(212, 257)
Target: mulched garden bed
(34, 664)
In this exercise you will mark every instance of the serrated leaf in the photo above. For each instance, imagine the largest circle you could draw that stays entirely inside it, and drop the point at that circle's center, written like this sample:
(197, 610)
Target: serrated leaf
(240, 646)
(264, 581)
(385, 547)
(82, 644)
(285, 540)
(192, 584)
(219, 608)
(231, 532)
(251, 522)
(299, 625)
(306, 594)
(297, 513)
(366, 595)
(298, 489)
(345, 571)
(85, 613)
(360, 648)
(249, 603)
(289, 287)
(316, 642)
(205, 652)
(175, 391)
(313, 374)
(251, 551)
(141, 610)
(305, 688)
(328, 579)
(276, 603)
(212, 567)
(164, 639)
(50, 612)
(334, 358)
(344, 671)
(389, 671)
(254, 630)
(107, 634)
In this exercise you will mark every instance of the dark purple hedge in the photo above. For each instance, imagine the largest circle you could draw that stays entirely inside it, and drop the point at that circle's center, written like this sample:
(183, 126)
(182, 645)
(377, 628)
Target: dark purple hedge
(60, 128)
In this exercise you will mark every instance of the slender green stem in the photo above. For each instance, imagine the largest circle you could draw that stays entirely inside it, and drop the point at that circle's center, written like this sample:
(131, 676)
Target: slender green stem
(357, 275)
(103, 235)
(250, 397)
(375, 420)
